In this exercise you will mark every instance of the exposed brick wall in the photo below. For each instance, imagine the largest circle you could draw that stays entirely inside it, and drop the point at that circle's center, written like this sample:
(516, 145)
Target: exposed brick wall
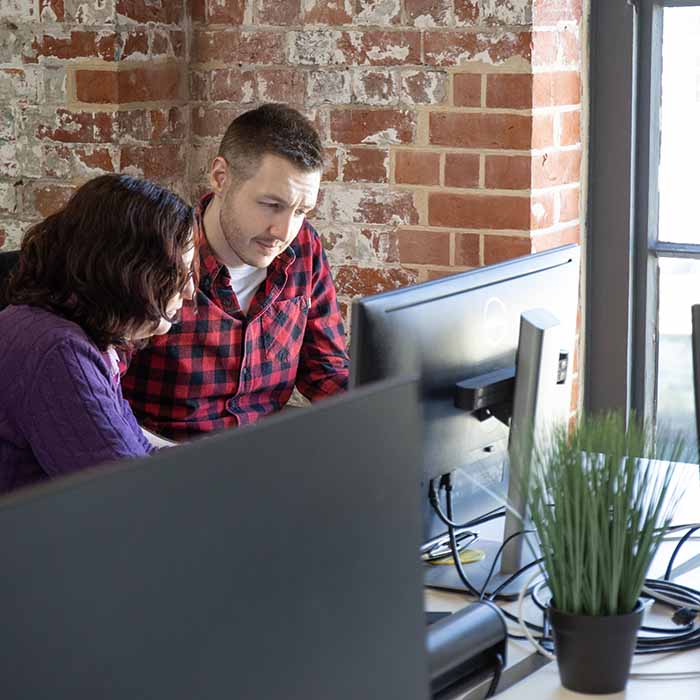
(451, 127)
(88, 88)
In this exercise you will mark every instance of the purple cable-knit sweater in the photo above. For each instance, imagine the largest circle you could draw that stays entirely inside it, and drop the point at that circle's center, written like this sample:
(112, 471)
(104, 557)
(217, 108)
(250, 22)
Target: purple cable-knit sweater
(61, 409)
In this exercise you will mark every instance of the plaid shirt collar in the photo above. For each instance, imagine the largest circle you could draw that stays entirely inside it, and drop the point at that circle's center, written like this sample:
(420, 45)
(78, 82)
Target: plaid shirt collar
(210, 266)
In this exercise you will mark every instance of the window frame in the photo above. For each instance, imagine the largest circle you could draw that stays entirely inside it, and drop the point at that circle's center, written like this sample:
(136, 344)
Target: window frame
(621, 358)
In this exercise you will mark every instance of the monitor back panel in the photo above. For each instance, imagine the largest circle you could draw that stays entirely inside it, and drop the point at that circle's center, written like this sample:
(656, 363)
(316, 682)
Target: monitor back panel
(276, 561)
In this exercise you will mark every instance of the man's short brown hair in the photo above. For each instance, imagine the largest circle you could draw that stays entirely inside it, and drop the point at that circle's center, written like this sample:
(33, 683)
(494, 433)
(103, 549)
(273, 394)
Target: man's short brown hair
(275, 129)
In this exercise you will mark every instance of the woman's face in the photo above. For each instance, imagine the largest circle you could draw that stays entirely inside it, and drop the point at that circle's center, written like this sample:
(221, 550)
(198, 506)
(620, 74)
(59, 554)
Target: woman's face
(174, 305)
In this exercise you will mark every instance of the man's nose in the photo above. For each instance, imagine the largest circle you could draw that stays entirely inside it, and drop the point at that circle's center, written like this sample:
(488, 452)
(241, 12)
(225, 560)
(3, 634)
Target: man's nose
(282, 225)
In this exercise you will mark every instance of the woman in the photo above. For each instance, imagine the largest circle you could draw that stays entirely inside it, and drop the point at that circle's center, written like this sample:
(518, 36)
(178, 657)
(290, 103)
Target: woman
(107, 271)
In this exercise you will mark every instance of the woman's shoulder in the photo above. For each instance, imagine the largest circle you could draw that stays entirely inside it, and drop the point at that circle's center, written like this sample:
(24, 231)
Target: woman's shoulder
(33, 330)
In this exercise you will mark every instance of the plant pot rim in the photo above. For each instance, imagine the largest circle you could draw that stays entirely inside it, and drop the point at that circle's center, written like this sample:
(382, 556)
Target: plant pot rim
(638, 608)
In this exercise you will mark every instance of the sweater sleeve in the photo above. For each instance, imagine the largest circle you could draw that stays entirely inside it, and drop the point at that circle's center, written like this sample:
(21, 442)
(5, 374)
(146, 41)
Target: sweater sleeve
(73, 416)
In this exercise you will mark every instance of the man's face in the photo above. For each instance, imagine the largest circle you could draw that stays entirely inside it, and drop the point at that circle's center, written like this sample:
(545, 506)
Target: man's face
(260, 217)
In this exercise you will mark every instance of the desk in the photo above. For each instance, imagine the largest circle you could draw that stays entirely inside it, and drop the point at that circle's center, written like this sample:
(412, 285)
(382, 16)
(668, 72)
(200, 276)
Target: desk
(529, 676)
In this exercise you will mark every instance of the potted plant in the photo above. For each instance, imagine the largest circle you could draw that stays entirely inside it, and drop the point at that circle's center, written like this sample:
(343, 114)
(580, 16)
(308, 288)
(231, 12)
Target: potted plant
(600, 508)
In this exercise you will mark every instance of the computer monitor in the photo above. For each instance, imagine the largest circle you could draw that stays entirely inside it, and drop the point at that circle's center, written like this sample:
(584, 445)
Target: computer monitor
(457, 328)
(273, 561)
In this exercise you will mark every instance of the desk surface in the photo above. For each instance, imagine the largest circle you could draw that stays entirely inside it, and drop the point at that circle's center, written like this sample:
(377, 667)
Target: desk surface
(529, 676)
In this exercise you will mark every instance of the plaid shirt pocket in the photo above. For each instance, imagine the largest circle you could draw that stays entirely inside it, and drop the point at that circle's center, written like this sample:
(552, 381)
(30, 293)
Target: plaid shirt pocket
(283, 326)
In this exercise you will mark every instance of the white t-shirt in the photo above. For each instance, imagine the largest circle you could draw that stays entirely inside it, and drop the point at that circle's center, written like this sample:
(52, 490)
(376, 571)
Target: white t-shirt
(245, 280)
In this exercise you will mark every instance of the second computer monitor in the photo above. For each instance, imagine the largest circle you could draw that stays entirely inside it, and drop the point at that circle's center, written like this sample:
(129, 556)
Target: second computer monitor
(457, 328)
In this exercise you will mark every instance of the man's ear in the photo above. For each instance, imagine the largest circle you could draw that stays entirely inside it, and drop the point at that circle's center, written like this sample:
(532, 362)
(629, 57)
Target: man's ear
(219, 175)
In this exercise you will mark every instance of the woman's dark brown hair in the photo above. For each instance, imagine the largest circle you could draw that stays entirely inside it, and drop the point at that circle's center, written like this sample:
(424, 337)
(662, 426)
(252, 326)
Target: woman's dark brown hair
(110, 260)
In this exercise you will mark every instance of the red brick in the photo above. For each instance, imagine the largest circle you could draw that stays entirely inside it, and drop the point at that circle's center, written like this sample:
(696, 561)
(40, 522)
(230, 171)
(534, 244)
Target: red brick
(508, 172)
(569, 205)
(524, 172)
(467, 249)
(151, 83)
(553, 11)
(481, 130)
(160, 42)
(278, 12)
(428, 12)
(79, 44)
(573, 404)
(51, 10)
(478, 211)
(214, 45)
(525, 90)
(372, 205)
(424, 247)
(82, 161)
(379, 48)
(513, 91)
(226, 12)
(233, 85)
(565, 89)
(453, 48)
(542, 131)
(570, 128)
(165, 160)
(428, 274)
(281, 85)
(538, 89)
(152, 125)
(427, 87)
(417, 168)
(331, 167)
(160, 11)
(467, 89)
(261, 48)
(490, 211)
(362, 281)
(199, 86)
(461, 170)
(49, 198)
(372, 126)
(135, 42)
(365, 165)
(198, 10)
(101, 87)
(545, 47)
(133, 85)
(212, 121)
(374, 87)
(556, 168)
(554, 239)
(570, 47)
(329, 12)
(177, 43)
(500, 248)
(78, 127)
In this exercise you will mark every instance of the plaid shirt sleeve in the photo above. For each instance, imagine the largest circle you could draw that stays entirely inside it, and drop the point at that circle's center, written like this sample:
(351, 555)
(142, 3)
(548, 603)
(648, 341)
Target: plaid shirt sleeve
(323, 362)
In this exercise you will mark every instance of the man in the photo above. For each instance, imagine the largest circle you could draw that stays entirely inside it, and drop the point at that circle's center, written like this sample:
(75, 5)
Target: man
(265, 316)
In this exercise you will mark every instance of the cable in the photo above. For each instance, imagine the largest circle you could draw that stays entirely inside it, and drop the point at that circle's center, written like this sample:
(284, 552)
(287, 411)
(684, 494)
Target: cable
(434, 499)
(500, 663)
(495, 559)
(681, 542)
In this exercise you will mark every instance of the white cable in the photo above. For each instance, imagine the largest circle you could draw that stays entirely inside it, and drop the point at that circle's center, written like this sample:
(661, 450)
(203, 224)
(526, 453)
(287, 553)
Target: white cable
(669, 599)
(528, 634)
(548, 654)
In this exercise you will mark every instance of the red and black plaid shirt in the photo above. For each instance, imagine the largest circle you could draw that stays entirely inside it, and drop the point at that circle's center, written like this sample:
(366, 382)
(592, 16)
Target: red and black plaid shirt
(220, 367)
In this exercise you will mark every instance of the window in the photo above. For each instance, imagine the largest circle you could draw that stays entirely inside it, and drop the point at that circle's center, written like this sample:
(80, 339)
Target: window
(644, 215)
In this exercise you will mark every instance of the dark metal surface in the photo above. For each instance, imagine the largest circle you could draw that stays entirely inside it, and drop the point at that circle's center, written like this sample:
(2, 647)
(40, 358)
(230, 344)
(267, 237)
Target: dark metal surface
(276, 561)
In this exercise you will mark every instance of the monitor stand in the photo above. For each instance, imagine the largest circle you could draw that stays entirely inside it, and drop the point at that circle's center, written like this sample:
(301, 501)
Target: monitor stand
(535, 411)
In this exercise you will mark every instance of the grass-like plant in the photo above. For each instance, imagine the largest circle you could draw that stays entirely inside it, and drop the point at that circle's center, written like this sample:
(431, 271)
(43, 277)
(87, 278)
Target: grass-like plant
(600, 509)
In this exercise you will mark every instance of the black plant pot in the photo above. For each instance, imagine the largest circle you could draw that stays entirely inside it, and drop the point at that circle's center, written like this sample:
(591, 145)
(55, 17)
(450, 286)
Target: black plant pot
(594, 653)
